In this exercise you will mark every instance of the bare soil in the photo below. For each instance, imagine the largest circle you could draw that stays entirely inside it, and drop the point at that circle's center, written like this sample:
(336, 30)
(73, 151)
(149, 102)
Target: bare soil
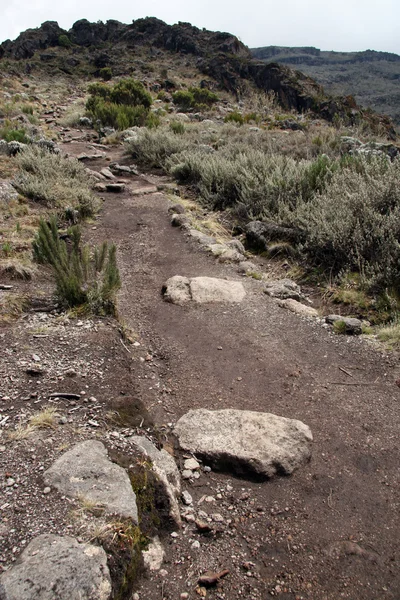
(329, 531)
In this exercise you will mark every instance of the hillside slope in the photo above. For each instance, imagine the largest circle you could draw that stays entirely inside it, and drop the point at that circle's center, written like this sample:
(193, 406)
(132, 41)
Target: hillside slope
(373, 78)
(152, 47)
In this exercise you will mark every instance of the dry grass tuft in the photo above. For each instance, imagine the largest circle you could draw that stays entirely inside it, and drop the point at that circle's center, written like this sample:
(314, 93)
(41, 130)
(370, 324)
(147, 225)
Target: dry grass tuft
(21, 432)
(17, 268)
(45, 419)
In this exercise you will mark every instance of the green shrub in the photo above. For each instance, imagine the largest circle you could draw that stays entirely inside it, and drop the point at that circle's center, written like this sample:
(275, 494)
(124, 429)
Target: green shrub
(54, 181)
(10, 134)
(27, 109)
(234, 117)
(195, 97)
(177, 127)
(82, 277)
(106, 73)
(183, 99)
(116, 115)
(64, 41)
(152, 120)
(121, 106)
(203, 96)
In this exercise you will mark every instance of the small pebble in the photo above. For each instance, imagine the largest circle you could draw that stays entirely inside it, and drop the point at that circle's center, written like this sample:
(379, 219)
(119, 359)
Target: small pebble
(195, 545)
(46, 490)
(174, 534)
(186, 498)
(192, 464)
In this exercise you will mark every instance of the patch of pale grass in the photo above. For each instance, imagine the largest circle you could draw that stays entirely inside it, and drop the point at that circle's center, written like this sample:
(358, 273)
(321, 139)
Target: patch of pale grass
(71, 118)
(11, 307)
(44, 419)
(17, 268)
(390, 334)
(21, 432)
(218, 231)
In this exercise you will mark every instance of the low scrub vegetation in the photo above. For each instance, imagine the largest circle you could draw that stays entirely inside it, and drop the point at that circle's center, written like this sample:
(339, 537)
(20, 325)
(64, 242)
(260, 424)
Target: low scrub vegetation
(83, 277)
(344, 209)
(121, 106)
(10, 133)
(194, 98)
(54, 181)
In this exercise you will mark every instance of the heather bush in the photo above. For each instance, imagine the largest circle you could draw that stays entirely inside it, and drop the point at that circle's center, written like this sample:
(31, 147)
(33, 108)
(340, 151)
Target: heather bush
(195, 97)
(54, 181)
(354, 224)
(123, 105)
(154, 147)
(346, 209)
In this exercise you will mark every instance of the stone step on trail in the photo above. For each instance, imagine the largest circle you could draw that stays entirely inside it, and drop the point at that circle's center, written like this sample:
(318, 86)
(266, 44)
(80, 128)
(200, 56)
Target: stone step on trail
(86, 472)
(201, 290)
(245, 442)
(57, 568)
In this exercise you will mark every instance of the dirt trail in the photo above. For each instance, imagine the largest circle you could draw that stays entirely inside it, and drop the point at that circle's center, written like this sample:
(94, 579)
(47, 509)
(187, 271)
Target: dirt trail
(291, 531)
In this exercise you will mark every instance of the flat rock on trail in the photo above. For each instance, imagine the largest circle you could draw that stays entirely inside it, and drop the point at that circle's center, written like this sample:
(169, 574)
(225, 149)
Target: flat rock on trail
(259, 356)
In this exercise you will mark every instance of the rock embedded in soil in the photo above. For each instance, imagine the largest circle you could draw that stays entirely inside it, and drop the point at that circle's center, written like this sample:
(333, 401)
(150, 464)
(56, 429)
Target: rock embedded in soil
(177, 290)
(181, 290)
(298, 308)
(86, 472)
(165, 469)
(53, 567)
(116, 188)
(209, 289)
(245, 442)
(352, 326)
(7, 191)
(283, 289)
(153, 557)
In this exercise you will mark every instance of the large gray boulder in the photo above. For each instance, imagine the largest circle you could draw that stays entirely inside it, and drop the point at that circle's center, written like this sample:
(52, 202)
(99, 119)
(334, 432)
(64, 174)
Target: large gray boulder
(86, 472)
(245, 442)
(57, 568)
(166, 471)
(202, 290)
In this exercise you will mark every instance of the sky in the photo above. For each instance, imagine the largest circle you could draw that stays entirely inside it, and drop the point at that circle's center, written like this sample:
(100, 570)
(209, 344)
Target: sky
(347, 25)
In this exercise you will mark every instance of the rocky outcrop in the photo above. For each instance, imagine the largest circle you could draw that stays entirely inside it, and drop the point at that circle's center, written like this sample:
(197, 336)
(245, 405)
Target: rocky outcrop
(85, 472)
(181, 37)
(245, 442)
(201, 290)
(53, 567)
(26, 44)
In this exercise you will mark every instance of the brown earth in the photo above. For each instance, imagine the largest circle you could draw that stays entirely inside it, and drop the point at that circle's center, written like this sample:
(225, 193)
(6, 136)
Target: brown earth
(329, 531)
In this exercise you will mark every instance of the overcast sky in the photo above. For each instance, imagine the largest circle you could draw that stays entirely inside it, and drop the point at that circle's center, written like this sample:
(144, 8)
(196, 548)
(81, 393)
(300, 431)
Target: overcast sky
(328, 25)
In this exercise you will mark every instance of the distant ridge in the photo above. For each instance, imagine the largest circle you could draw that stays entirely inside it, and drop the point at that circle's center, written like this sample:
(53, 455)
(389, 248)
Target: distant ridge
(372, 77)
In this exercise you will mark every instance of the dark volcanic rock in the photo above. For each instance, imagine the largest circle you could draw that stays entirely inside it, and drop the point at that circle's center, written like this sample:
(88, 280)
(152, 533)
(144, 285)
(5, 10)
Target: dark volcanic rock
(29, 41)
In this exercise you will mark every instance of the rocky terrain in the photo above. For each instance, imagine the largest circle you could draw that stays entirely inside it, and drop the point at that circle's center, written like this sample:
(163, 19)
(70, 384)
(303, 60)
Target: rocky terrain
(213, 436)
(371, 77)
